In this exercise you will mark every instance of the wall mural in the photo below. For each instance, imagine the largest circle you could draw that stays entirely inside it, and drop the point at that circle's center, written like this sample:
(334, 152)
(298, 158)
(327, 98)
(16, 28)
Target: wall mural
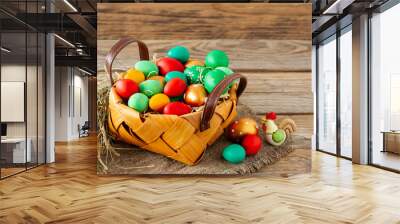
(207, 89)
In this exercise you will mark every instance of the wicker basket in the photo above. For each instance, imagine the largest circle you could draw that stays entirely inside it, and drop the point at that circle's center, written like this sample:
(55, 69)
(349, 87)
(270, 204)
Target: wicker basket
(182, 138)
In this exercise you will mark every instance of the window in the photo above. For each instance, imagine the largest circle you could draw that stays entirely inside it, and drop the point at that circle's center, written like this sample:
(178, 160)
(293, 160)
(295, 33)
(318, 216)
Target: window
(22, 76)
(334, 97)
(346, 92)
(385, 89)
(326, 135)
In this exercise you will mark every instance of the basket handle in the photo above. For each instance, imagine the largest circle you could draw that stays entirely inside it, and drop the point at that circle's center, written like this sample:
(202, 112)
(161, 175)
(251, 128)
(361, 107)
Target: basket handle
(118, 47)
(213, 98)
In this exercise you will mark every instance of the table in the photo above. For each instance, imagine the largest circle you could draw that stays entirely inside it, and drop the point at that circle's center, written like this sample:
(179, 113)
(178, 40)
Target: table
(391, 141)
(13, 150)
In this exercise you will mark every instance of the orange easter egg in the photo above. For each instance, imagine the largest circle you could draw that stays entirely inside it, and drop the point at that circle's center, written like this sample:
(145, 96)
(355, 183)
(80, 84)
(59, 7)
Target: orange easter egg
(159, 78)
(193, 62)
(134, 75)
(158, 102)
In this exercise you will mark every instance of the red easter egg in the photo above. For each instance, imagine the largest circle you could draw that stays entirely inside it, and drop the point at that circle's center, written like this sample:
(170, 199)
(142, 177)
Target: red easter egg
(175, 87)
(126, 88)
(177, 108)
(166, 65)
(252, 144)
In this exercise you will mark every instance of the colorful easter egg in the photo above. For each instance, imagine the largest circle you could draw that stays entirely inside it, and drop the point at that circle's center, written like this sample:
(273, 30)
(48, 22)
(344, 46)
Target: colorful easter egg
(126, 87)
(134, 75)
(150, 87)
(166, 65)
(147, 67)
(158, 102)
(216, 58)
(175, 74)
(252, 144)
(212, 79)
(180, 53)
(175, 87)
(193, 62)
(159, 78)
(234, 153)
(196, 74)
(177, 108)
(239, 128)
(195, 95)
(139, 102)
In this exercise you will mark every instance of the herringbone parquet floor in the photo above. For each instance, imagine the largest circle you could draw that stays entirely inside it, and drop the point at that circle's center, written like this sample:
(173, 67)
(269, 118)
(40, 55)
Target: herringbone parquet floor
(70, 192)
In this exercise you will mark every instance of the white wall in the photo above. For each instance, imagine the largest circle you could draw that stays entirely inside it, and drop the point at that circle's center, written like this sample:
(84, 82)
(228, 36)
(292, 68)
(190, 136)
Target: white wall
(33, 127)
(71, 102)
(61, 103)
(16, 73)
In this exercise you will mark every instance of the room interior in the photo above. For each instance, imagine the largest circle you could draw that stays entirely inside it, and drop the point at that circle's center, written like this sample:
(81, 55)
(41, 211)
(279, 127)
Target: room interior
(48, 94)
(334, 67)
(25, 67)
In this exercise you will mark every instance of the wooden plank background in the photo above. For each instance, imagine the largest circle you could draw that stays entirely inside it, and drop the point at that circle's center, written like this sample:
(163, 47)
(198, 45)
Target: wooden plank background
(177, 21)
(268, 43)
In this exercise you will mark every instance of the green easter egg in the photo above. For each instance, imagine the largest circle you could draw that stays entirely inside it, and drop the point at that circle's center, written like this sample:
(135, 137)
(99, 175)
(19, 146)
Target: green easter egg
(148, 68)
(279, 136)
(193, 74)
(180, 53)
(212, 79)
(176, 99)
(196, 73)
(227, 72)
(150, 87)
(216, 58)
(234, 153)
(203, 73)
(176, 74)
(139, 102)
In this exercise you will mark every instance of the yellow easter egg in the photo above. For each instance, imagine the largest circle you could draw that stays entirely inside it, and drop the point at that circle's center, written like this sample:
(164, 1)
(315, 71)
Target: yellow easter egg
(134, 75)
(158, 78)
(158, 102)
(193, 62)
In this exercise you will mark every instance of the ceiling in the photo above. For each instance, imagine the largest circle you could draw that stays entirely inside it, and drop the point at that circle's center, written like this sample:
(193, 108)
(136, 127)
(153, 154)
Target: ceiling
(332, 15)
(74, 22)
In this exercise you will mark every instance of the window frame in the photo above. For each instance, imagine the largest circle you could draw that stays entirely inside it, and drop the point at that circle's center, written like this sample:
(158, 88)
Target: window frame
(337, 34)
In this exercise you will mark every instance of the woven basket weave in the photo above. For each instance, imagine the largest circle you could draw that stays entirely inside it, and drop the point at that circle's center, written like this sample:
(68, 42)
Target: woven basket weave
(182, 138)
